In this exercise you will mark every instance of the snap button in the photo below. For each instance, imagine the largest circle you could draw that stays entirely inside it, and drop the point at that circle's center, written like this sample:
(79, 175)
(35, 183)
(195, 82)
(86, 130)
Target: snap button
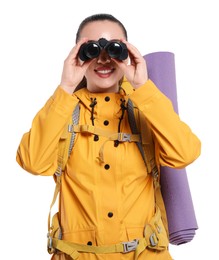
(107, 98)
(96, 138)
(106, 122)
(116, 143)
(110, 214)
(89, 243)
(106, 166)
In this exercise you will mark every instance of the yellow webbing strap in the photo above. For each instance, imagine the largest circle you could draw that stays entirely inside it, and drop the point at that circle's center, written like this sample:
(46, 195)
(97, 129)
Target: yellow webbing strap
(74, 250)
(56, 192)
(161, 205)
(122, 137)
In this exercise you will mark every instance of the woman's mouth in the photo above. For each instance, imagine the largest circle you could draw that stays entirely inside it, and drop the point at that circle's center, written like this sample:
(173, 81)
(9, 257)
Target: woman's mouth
(104, 72)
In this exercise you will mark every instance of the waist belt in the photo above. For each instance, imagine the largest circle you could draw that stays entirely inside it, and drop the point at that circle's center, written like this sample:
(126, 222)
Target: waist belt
(155, 238)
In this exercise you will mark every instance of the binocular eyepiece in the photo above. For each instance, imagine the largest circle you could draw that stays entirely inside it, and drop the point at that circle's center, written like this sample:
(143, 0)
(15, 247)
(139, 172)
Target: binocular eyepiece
(115, 49)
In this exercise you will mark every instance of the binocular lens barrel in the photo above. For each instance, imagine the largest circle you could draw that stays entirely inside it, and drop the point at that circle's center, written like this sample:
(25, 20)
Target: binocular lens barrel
(92, 49)
(114, 50)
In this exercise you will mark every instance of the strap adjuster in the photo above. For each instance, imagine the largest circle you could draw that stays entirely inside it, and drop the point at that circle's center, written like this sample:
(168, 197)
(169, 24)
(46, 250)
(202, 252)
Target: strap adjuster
(124, 137)
(58, 171)
(130, 246)
(49, 241)
(153, 239)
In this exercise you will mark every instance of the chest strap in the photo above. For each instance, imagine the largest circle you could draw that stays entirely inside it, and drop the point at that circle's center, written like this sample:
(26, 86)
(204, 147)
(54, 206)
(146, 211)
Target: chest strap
(90, 129)
(111, 136)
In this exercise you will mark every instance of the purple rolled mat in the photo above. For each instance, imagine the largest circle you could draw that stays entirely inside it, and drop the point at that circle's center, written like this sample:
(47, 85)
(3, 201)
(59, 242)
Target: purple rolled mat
(174, 183)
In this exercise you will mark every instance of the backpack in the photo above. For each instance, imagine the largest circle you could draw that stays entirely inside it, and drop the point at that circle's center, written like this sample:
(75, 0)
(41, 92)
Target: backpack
(142, 136)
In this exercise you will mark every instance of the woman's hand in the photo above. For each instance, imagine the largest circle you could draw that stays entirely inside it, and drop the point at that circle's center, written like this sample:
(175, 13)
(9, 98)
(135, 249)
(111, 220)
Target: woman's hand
(73, 69)
(136, 70)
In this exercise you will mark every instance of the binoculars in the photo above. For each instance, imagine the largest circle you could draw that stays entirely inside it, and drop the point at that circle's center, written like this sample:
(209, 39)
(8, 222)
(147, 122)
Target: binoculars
(115, 49)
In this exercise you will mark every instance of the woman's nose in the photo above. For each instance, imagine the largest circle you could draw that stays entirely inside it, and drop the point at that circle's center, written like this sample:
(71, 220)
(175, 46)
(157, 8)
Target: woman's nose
(103, 57)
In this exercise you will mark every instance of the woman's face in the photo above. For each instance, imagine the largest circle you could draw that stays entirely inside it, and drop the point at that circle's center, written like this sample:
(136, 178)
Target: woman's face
(103, 74)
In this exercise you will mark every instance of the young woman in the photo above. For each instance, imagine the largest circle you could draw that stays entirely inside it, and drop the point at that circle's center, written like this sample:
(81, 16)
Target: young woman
(107, 206)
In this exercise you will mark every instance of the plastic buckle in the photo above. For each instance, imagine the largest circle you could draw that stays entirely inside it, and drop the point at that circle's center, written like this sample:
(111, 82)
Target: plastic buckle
(130, 246)
(153, 239)
(70, 128)
(49, 245)
(50, 248)
(124, 137)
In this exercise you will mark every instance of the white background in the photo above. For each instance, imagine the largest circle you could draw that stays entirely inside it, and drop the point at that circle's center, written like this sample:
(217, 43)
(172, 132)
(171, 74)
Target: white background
(36, 37)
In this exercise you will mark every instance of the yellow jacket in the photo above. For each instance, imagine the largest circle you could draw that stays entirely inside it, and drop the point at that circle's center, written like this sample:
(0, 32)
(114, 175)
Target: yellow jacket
(106, 203)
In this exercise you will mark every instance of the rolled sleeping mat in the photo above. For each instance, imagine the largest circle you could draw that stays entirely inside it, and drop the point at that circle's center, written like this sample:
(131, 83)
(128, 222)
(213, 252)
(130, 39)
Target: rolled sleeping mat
(175, 189)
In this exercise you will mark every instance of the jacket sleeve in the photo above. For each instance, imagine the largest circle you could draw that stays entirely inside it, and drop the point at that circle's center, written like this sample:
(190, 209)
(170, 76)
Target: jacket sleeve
(175, 144)
(38, 150)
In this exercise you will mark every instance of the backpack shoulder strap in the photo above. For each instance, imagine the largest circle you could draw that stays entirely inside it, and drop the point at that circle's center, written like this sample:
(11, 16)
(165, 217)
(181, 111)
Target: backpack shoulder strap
(139, 125)
(66, 144)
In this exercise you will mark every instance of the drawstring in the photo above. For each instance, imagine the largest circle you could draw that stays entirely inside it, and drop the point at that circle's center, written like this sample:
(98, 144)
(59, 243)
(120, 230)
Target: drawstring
(124, 108)
(92, 105)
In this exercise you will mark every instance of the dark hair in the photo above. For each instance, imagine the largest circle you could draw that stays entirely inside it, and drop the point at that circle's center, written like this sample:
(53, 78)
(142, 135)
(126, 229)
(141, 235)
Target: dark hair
(99, 17)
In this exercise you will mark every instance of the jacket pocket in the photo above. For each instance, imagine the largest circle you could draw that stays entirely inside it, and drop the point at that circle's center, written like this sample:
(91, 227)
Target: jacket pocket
(87, 237)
